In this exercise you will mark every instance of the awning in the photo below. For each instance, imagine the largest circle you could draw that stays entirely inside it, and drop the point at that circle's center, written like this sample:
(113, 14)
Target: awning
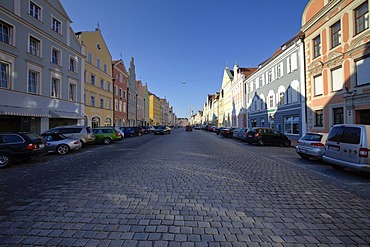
(65, 114)
(23, 111)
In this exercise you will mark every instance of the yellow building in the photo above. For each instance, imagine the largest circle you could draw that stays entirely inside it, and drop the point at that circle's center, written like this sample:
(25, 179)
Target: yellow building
(155, 110)
(98, 86)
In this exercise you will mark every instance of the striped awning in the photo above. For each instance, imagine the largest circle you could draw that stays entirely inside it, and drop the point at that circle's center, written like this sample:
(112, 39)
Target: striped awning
(23, 111)
(64, 114)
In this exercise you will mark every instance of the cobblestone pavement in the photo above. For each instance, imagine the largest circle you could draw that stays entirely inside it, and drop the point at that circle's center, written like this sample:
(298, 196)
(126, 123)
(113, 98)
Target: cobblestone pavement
(183, 189)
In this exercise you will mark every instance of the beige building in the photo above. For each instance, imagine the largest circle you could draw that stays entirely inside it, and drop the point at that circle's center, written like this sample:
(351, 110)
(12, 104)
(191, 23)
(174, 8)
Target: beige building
(98, 93)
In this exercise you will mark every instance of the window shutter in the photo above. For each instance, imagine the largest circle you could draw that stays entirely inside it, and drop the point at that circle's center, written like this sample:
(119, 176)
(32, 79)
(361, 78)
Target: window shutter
(318, 87)
(337, 79)
(294, 61)
(362, 69)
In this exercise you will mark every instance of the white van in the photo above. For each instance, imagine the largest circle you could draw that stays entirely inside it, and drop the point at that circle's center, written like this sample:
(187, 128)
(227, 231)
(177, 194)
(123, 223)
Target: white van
(347, 146)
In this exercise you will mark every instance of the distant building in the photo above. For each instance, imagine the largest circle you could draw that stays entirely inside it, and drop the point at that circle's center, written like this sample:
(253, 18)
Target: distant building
(120, 81)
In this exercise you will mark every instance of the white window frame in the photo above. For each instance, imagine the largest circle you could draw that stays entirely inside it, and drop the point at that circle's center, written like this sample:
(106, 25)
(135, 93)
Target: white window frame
(72, 91)
(59, 56)
(36, 51)
(7, 75)
(53, 27)
(55, 88)
(72, 64)
(336, 79)
(39, 17)
(318, 87)
(9, 34)
(362, 76)
(38, 71)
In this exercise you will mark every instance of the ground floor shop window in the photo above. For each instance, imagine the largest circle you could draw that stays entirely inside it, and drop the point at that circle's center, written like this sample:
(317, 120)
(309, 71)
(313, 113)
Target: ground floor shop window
(319, 118)
(253, 123)
(107, 122)
(291, 125)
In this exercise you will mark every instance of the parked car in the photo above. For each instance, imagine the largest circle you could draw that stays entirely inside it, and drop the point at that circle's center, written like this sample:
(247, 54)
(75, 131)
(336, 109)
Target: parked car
(347, 146)
(188, 128)
(151, 129)
(162, 130)
(106, 135)
(132, 131)
(240, 133)
(60, 144)
(197, 127)
(18, 146)
(218, 130)
(267, 136)
(227, 132)
(84, 133)
(311, 145)
(146, 129)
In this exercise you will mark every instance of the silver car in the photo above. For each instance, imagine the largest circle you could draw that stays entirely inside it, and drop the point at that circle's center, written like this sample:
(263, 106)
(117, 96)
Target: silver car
(311, 145)
(84, 133)
(58, 143)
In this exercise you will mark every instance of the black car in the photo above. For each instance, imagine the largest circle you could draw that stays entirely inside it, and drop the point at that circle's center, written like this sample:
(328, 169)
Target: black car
(18, 146)
(162, 130)
(227, 132)
(132, 131)
(267, 136)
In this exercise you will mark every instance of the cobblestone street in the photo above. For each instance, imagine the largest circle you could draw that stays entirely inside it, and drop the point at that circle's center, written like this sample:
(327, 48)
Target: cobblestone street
(183, 189)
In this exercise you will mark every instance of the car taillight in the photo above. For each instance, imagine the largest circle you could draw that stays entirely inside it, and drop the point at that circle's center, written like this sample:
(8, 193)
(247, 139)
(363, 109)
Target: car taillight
(298, 142)
(364, 153)
(32, 146)
(118, 134)
(76, 142)
(317, 144)
(257, 134)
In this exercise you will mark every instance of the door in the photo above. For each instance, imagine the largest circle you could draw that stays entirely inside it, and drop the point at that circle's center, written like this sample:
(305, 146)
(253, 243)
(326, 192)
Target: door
(333, 147)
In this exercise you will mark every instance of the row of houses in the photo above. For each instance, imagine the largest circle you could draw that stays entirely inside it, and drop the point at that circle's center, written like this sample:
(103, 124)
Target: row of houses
(52, 76)
(320, 77)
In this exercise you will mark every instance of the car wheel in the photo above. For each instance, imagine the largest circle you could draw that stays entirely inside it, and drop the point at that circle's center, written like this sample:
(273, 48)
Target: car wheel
(83, 143)
(107, 141)
(260, 142)
(62, 149)
(139, 134)
(5, 160)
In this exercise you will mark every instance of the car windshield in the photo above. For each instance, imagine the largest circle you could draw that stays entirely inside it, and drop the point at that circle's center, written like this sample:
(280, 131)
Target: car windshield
(33, 136)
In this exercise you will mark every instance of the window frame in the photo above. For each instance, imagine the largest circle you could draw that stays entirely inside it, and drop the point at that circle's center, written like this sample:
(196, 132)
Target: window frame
(32, 11)
(6, 37)
(72, 64)
(56, 59)
(6, 78)
(336, 34)
(319, 118)
(72, 92)
(338, 112)
(34, 46)
(364, 25)
(35, 81)
(55, 88)
(56, 28)
(316, 46)
(92, 79)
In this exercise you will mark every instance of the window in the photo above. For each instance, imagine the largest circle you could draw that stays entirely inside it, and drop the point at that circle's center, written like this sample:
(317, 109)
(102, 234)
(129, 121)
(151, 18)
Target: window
(72, 64)
(101, 103)
(291, 125)
(278, 71)
(56, 26)
(92, 79)
(92, 100)
(72, 92)
(4, 76)
(362, 71)
(120, 92)
(316, 46)
(336, 79)
(254, 84)
(124, 106)
(319, 118)
(6, 33)
(116, 105)
(34, 46)
(281, 98)
(124, 94)
(261, 81)
(271, 101)
(35, 11)
(108, 86)
(362, 18)
(32, 81)
(289, 64)
(294, 62)
(98, 62)
(105, 68)
(120, 78)
(318, 85)
(101, 83)
(338, 115)
(89, 57)
(120, 106)
(336, 34)
(55, 87)
(269, 76)
(55, 56)
(115, 90)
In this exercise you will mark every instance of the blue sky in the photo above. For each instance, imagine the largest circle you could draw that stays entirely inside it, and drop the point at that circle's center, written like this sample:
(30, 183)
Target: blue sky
(181, 47)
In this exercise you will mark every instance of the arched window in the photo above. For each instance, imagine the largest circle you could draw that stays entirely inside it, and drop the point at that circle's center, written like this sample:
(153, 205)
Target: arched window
(95, 122)
(108, 122)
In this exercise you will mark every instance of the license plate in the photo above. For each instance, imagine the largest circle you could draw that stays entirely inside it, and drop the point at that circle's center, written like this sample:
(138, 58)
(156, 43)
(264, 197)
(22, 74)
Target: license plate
(249, 135)
(334, 148)
(41, 145)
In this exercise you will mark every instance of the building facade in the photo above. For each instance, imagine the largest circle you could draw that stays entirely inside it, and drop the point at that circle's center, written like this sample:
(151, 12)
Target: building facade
(155, 110)
(98, 91)
(120, 80)
(140, 106)
(276, 91)
(337, 52)
(132, 94)
(42, 65)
